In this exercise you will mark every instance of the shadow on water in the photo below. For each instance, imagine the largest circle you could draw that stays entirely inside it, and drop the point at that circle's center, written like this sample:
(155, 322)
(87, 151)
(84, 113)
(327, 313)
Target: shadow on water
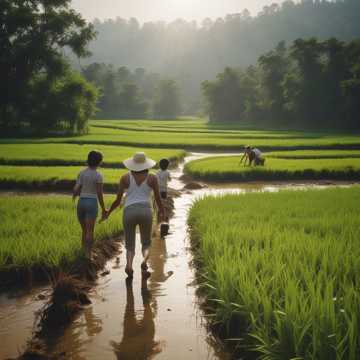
(139, 332)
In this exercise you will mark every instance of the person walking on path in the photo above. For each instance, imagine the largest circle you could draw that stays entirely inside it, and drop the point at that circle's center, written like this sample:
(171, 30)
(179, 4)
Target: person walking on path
(138, 185)
(89, 187)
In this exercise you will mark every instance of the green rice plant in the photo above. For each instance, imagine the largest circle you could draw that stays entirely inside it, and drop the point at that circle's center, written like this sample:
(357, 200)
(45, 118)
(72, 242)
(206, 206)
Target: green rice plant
(315, 154)
(73, 154)
(54, 178)
(197, 134)
(42, 232)
(281, 270)
(229, 169)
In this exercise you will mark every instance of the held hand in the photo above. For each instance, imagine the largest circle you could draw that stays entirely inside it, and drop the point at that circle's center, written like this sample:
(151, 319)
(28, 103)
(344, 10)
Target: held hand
(104, 216)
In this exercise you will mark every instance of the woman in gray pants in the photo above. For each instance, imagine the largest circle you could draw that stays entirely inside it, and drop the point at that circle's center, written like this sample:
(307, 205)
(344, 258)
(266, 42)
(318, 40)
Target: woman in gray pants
(138, 185)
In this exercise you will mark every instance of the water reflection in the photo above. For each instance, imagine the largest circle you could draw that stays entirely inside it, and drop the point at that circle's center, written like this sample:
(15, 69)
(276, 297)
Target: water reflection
(138, 336)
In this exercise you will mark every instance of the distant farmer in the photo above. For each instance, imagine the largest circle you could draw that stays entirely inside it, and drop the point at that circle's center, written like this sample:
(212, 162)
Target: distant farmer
(253, 156)
(138, 185)
(89, 186)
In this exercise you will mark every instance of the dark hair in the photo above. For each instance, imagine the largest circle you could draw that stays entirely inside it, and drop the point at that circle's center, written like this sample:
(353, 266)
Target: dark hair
(94, 158)
(164, 164)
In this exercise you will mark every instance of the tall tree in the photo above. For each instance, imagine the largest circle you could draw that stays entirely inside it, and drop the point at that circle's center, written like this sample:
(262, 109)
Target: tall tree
(166, 104)
(32, 36)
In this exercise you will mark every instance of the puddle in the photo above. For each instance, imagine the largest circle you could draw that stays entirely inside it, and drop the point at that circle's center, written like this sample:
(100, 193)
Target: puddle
(159, 319)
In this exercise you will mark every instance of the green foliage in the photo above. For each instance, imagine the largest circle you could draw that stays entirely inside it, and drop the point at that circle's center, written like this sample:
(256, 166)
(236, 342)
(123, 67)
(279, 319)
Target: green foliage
(192, 52)
(43, 232)
(311, 84)
(166, 103)
(276, 168)
(281, 271)
(34, 74)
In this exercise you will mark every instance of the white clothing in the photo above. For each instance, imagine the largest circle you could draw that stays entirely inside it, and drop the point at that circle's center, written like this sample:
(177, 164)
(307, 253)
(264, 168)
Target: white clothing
(257, 153)
(163, 177)
(136, 194)
(88, 179)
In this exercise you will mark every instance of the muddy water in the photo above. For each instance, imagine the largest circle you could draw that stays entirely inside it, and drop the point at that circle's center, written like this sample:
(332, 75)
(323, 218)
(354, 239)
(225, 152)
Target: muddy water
(17, 318)
(159, 318)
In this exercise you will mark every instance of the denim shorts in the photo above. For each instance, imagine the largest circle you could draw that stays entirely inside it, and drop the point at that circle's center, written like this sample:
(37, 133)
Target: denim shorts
(87, 209)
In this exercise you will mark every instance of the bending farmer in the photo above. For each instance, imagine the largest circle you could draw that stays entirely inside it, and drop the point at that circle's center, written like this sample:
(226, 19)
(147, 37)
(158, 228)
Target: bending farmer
(253, 156)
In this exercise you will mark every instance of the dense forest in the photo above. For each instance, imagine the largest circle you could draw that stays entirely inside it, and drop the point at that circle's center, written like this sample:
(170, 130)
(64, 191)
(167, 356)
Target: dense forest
(133, 95)
(39, 92)
(191, 53)
(311, 84)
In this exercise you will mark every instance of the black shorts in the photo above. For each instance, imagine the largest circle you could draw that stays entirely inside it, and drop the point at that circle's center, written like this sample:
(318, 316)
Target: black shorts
(163, 194)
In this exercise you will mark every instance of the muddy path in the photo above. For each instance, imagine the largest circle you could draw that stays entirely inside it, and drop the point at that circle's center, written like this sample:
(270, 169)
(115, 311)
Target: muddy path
(159, 319)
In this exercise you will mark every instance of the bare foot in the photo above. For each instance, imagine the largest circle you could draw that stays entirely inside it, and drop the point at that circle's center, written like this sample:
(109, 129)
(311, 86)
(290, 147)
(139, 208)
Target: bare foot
(129, 272)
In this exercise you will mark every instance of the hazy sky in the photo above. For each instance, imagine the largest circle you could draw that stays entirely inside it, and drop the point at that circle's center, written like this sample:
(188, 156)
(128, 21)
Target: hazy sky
(152, 10)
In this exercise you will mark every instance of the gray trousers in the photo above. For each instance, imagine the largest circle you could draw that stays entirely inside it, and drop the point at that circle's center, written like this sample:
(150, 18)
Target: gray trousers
(137, 214)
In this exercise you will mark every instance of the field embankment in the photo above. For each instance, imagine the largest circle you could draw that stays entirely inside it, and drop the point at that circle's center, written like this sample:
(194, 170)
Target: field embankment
(40, 234)
(228, 169)
(281, 270)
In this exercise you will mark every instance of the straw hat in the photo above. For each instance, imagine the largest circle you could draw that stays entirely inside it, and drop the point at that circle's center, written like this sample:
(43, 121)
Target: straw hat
(139, 162)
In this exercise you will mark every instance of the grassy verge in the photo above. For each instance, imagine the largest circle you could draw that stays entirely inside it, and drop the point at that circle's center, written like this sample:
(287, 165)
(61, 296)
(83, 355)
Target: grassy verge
(50, 178)
(281, 271)
(275, 169)
(72, 154)
(42, 233)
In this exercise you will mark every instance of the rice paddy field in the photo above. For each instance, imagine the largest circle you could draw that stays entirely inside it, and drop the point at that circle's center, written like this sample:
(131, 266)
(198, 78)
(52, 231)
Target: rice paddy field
(281, 271)
(73, 154)
(50, 177)
(197, 134)
(279, 168)
(42, 231)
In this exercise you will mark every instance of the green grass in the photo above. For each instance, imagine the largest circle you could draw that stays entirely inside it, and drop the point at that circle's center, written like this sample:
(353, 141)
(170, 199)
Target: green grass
(315, 154)
(72, 154)
(229, 169)
(282, 271)
(42, 232)
(196, 135)
(50, 177)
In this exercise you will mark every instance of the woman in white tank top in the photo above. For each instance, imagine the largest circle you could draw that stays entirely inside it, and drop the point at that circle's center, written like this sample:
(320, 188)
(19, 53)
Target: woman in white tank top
(138, 185)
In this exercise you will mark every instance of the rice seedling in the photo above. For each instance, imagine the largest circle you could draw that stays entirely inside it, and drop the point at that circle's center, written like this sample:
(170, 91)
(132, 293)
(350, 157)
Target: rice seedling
(229, 169)
(281, 270)
(54, 178)
(73, 154)
(42, 232)
(197, 134)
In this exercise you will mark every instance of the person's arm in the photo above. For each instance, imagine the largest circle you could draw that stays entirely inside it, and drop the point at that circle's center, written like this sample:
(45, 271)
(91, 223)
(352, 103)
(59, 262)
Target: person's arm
(154, 184)
(77, 188)
(122, 187)
(100, 195)
(242, 158)
(169, 176)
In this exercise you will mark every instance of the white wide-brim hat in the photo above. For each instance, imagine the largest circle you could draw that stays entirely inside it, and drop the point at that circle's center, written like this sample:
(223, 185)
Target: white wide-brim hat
(139, 162)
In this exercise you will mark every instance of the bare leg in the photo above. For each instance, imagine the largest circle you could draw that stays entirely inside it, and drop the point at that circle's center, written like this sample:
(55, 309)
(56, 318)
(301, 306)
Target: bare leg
(89, 237)
(129, 262)
(83, 235)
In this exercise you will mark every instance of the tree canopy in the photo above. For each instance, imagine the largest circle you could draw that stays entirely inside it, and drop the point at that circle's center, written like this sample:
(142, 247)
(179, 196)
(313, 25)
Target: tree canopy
(191, 52)
(312, 84)
(34, 73)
